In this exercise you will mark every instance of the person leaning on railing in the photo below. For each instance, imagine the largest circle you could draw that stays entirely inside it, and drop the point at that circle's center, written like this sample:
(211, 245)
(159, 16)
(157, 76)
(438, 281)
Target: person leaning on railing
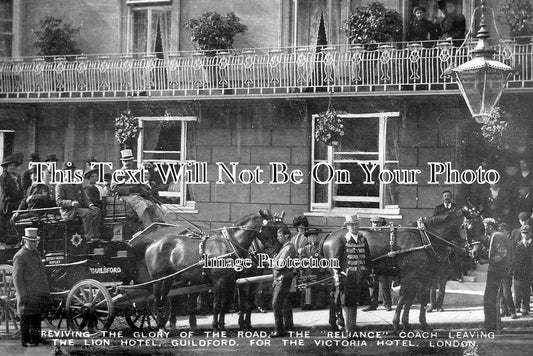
(453, 26)
(421, 29)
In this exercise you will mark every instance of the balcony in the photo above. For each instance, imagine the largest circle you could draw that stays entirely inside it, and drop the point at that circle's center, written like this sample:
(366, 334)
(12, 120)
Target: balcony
(388, 69)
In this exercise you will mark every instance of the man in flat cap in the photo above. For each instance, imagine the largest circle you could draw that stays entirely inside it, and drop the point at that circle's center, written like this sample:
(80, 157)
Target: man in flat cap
(26, 175)
(74, 202)
(31, 287)
(351, 279)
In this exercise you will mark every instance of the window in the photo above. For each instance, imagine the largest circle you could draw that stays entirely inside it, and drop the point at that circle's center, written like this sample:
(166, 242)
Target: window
(149, 31)
(369, 139)
(6, 28)
(165, 140)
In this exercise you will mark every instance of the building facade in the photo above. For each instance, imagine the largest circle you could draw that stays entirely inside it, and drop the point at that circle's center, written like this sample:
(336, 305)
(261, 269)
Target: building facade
(255, 104)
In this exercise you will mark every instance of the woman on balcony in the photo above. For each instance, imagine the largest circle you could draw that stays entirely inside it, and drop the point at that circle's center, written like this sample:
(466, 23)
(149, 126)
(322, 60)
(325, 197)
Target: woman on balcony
(421, 29)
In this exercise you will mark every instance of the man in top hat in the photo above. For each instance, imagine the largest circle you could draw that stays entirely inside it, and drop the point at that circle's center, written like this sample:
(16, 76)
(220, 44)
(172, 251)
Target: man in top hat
(31, 287)
(74, 202)
(499, 260)
(26, 175)
(132, 194)
(11, 192)
(351, 279)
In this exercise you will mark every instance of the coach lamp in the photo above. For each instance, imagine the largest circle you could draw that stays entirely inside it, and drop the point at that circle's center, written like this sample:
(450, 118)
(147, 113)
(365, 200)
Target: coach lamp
(482, 79)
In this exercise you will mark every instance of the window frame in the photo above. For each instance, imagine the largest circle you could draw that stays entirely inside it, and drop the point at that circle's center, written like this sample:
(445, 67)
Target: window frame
(184, 205)
(130, 23)
(10, 34)
(327, 208)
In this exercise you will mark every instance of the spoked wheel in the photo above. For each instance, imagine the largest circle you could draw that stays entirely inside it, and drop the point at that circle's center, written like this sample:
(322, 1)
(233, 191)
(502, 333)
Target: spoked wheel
(142, 316)
(9, 320)
(89, 307)
(56, 318)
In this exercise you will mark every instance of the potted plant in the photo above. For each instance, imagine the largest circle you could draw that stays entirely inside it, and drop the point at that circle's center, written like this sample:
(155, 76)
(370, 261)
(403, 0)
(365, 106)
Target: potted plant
(213, 32)
(56, 38)
(373, 24)
(519, 16)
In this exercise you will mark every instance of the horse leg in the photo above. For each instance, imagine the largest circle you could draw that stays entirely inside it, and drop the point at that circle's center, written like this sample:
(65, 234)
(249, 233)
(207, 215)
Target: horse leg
(410, 296)
(423, 295)
(217, 299)
(227, 298)
(398, 311)
(191, 307)
(242, 295)
(174, 305)
(160, 311)
(250, 305)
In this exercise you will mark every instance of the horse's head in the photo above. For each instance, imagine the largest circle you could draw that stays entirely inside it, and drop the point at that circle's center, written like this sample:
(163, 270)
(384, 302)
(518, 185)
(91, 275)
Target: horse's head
(268, 233)
(263, 226)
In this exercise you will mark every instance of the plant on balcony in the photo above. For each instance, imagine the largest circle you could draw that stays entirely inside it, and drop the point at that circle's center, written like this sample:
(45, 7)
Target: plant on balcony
(519, 16)
(329, 128)
(212, 31)
(498, 131)
(56, 38)
(126, 128)
(373, 24)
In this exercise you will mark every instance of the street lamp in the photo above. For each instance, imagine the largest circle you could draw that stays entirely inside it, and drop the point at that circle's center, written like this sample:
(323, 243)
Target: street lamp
(482, 79)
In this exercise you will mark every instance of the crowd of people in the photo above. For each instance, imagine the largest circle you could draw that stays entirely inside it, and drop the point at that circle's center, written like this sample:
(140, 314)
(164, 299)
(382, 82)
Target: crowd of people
(21, 192)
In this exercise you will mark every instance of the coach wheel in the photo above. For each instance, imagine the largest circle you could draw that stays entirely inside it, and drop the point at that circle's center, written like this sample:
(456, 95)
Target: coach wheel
(9, 320)
(89, 307)
(55, 317)
(143, 317)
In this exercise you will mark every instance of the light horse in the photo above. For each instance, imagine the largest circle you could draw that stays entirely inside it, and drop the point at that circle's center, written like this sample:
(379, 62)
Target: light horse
(173, 253)
(413, 254)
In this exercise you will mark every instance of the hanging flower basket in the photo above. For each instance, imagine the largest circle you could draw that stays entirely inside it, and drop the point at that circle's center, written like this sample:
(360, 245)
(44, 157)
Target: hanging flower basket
(496, 130)
(329, 128)
(126, 127)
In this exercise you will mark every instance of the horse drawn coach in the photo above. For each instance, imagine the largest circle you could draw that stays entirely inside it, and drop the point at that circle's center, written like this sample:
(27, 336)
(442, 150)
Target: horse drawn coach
(134, 272)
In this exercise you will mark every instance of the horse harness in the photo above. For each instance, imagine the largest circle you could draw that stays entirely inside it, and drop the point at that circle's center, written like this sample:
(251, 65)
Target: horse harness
(424, 236)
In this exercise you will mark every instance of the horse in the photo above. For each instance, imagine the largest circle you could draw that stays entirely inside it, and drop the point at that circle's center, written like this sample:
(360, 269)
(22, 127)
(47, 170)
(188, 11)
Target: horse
(178, 254)
(413, 254)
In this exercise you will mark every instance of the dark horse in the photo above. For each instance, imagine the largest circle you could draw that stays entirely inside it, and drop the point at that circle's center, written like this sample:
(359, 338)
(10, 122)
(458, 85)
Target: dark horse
(414, 254)
(173, 253)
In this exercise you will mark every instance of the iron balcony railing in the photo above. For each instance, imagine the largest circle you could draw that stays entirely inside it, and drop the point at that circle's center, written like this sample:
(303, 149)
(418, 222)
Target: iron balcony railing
(351, 69)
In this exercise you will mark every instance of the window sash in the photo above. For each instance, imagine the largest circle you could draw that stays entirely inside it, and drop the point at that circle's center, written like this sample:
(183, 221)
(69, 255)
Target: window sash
(334, 157)
(182, 153)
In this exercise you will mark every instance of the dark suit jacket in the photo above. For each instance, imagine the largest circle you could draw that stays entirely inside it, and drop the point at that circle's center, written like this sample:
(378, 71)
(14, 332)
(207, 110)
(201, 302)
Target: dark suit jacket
(10, 193)
(40, 198)
(66, 194)
(31, 282)
(441, 210)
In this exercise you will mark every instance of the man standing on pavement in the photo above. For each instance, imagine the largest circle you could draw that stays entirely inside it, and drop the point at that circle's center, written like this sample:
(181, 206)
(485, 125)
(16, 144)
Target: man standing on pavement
(31, 287)
(283, 276)
(523, 270)
(380, 282)
(351, 279)
(499, 262)
(447, 204)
